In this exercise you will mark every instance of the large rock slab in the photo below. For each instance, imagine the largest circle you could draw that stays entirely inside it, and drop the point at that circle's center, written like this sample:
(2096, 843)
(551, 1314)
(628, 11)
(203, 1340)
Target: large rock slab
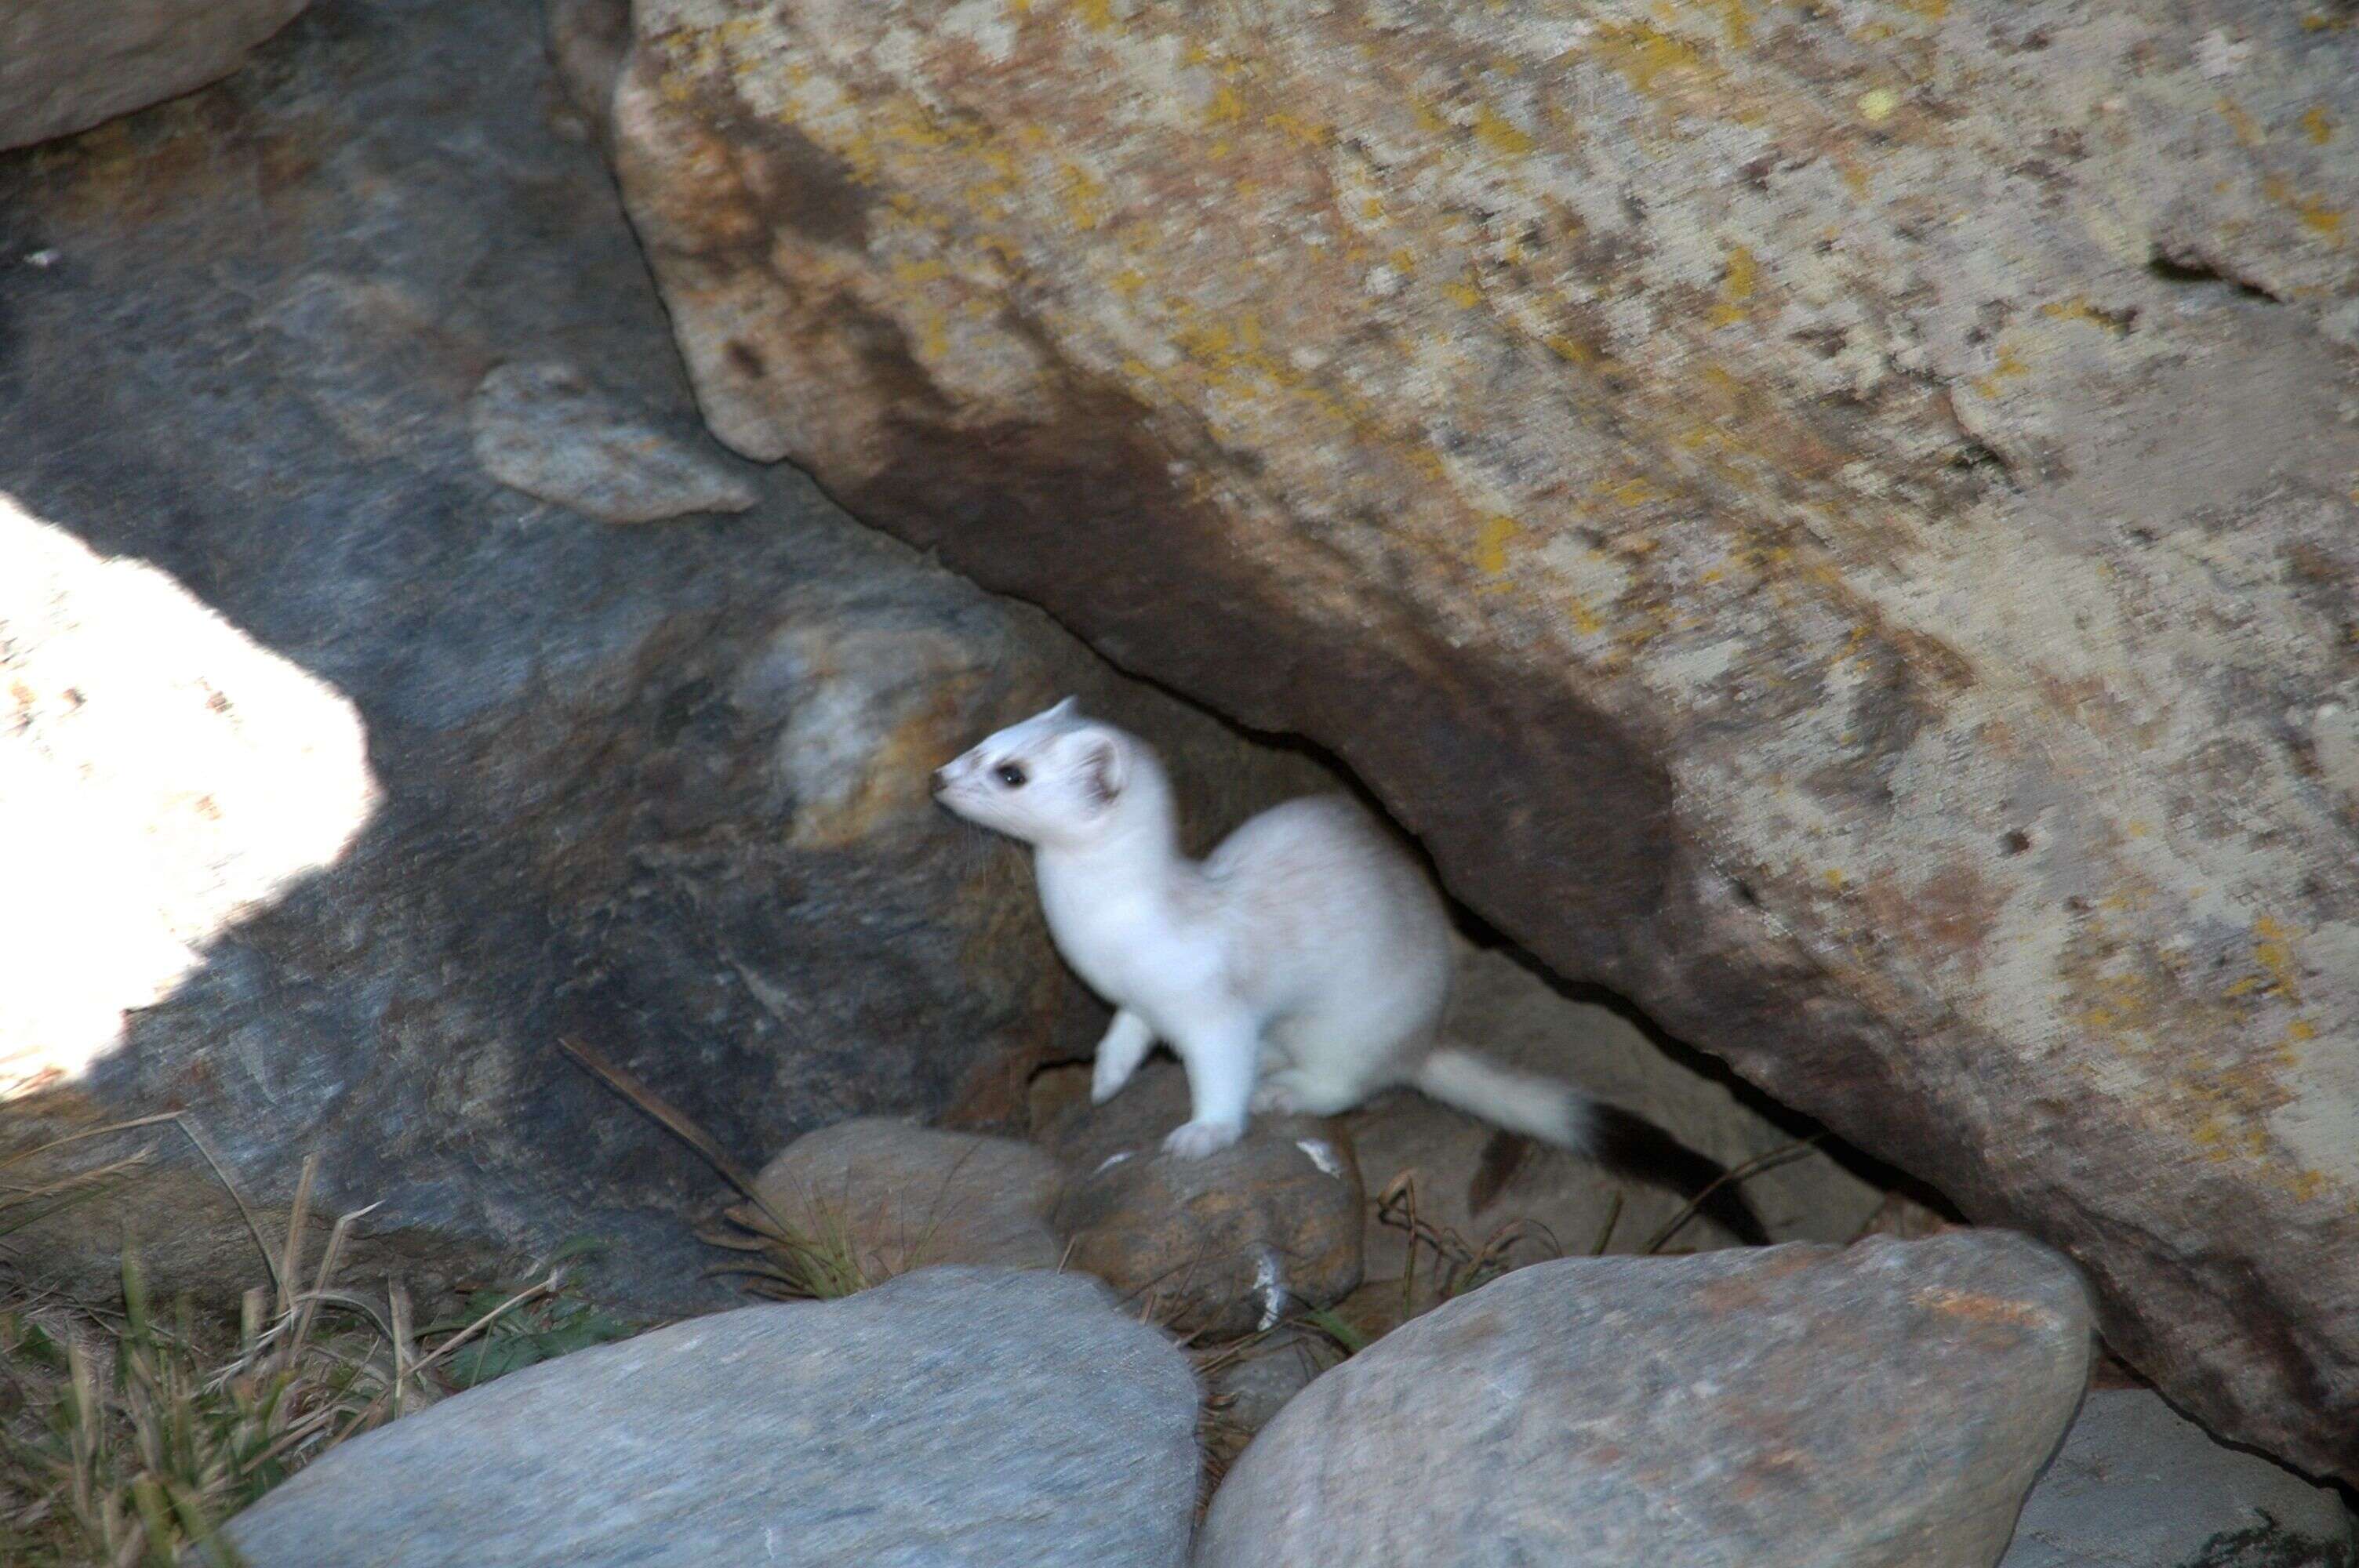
(1839, 527)
(1882, 1405)
(951, 1416)
(2138, 1483)
(343, 779)
(65, 65)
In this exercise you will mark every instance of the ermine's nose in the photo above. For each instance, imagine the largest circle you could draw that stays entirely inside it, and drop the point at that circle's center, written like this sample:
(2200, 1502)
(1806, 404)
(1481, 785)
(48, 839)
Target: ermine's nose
(941, 780)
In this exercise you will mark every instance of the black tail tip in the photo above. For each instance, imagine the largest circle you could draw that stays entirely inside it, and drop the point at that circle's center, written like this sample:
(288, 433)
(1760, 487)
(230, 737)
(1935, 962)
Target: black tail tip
(1630, 1145)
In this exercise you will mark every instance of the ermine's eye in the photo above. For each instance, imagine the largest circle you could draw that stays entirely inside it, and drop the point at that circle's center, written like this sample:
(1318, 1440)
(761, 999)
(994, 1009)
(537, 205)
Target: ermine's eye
(1009, 774)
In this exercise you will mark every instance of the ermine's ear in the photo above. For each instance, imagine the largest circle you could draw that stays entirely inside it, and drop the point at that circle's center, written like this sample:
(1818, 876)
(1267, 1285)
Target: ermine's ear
(1104, 773)
(1065, 709)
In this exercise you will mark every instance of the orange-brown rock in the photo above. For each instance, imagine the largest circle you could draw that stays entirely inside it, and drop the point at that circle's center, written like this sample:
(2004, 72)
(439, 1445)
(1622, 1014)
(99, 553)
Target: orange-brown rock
(1220, 1246)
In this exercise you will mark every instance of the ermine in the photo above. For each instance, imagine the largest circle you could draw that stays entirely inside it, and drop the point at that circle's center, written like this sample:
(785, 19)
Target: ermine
(1303, 966)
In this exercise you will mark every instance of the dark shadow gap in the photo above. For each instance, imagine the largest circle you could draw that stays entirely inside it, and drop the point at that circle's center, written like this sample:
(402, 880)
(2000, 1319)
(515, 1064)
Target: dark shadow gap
(1478, 931)
(2195, 272)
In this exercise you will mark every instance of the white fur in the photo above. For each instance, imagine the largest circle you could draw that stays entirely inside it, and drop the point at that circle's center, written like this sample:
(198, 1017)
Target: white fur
(1302, 966)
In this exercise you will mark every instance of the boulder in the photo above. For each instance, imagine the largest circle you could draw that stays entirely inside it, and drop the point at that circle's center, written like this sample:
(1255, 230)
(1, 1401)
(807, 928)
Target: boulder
(951, 1416)
(2138, 1483)
(66, 65)
(344, 778)
(1224, 1246)
(890, 1196)
(1870, 1407)
(1838, 527)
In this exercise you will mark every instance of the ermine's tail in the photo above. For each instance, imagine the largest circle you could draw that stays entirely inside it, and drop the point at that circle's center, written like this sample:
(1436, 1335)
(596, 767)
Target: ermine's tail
(1558, 1113)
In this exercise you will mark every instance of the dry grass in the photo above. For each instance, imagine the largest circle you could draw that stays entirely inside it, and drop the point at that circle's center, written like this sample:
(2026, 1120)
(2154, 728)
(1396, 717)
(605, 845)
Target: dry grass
(129, 1433)
(1457, 1263)
(820, 1262)
(1450, 1263)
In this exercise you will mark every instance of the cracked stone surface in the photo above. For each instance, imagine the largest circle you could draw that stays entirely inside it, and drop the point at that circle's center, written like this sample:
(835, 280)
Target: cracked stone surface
(1835, 520)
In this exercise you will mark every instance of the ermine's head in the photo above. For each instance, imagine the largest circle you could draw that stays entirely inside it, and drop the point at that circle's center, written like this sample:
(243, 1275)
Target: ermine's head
(1057, 778)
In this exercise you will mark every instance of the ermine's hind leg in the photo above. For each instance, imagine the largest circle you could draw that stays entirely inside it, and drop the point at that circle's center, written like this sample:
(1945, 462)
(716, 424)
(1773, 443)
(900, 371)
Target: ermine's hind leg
(1127, 1041)
(1298, 1092)
(1220, 1055)
(1276, 1096)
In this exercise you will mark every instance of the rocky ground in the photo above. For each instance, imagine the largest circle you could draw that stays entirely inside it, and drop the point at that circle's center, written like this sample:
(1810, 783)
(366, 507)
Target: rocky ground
(397, 678)
(1893, 1403)
(1835, 520)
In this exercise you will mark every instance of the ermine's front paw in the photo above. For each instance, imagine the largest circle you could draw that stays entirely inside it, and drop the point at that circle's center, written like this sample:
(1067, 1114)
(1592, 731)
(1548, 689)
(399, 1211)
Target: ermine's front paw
(1197, 1139)
(1105, 1081)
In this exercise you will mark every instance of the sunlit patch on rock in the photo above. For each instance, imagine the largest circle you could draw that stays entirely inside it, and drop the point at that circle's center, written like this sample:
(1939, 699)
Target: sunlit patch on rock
(161, 775)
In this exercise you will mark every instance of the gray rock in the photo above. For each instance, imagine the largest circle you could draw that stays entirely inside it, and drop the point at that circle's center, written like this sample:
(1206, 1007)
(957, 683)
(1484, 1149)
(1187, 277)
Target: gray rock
(66, 65)
(1246, 1383)
(361, 776)
(1220, 1246)
(954, 1416)
(542, 429)
(1872, 1407)
(2136, 1485)
(901, 1196)
(1258, 1382)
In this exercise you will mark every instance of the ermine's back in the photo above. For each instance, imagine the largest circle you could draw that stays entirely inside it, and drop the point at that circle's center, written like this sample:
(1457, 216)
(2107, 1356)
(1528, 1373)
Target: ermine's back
(1316, 897)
